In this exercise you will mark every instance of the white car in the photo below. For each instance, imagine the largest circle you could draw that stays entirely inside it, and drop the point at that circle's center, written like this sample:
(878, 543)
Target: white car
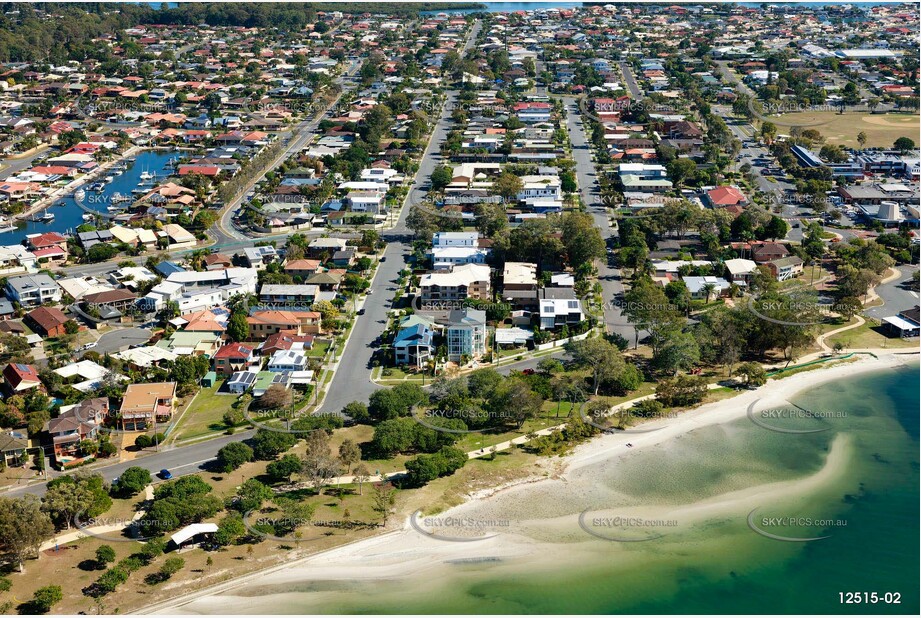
(89, 346)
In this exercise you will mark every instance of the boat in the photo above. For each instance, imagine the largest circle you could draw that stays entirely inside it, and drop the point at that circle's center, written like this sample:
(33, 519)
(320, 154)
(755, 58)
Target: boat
(10, 228)
(46, 217)
(88, 217)
(145, 175)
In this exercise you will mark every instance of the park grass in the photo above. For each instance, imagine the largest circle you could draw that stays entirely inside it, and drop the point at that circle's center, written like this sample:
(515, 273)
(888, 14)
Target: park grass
(869, 336)
(205, 414)
(842, 129)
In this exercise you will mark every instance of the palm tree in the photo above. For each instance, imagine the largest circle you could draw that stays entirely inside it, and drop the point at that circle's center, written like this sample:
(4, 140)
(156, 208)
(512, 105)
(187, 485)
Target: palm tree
(708, 289)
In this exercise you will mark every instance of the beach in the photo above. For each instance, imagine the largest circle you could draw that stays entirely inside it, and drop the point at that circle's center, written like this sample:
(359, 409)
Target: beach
(523, 524)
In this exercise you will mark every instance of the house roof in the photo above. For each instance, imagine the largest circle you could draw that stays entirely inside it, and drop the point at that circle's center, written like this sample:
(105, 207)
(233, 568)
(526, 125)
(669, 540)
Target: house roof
(234, 350)
(725, 196)
(48, 318)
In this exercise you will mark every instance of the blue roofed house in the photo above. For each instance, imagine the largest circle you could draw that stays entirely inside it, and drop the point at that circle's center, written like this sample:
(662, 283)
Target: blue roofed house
(413, 346)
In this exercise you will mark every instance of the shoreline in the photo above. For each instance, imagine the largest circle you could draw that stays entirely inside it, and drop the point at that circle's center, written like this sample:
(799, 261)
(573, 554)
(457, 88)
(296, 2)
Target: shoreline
(409, 552)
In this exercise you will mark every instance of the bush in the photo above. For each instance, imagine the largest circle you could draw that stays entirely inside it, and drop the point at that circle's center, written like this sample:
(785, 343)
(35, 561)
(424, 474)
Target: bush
(282, 469)
(142, 441)
(647, 408)
(105, 554)
(111, 580)
(45, 598)
(267, 444)
(5, 584)
(425, 468)
(171, 567)
(232, 456)
(132, 481)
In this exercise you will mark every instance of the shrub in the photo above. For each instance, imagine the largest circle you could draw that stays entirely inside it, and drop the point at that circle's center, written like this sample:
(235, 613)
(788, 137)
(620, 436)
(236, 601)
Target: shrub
(233, 455)
(45, 598)
(142, 441)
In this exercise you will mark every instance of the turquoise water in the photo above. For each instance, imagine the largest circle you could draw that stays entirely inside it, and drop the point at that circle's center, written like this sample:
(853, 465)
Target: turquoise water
(713, 565)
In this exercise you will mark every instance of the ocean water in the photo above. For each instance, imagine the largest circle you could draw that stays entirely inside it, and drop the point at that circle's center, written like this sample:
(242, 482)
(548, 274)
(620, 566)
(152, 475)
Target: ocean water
(715, 564)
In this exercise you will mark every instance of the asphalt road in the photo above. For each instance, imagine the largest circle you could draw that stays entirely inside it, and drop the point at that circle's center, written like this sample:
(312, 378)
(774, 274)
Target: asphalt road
(897, 295)
(608, 275)
(352, 381)
(630, 80)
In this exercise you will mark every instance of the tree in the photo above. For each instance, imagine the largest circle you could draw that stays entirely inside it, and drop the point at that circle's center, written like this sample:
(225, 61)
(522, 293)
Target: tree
(382, 500)
(229, 529)
(349, 454)
(361, 476)
(45, 598)
(276, 397)
(680, 352)
(232, 456)
(171, 567)
(104, 555)
(681, 391)
(904, 144)
(441, 177)
(250, 496)
(284, 468)
(514, 400)
(131, 482)
(862, 139)
(603, 357)
(82, 495)
(268, 444)
(24, 526)
(238, 327)
(357, 411)
(754, 373)
(681, 169)
(508, 185)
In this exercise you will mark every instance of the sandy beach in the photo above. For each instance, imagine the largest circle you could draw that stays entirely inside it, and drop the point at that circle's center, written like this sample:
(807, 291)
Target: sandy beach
(523, 523)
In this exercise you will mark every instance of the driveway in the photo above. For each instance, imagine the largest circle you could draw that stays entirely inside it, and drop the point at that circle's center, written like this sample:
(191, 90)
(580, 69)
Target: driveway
(121, 339)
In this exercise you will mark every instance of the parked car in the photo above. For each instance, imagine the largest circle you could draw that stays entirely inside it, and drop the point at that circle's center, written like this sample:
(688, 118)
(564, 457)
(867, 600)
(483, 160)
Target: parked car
(165, 474)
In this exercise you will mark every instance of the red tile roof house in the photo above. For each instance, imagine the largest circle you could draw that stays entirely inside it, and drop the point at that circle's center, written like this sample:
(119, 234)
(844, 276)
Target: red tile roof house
(285, 340)
(19, 377)
(48, 321)
(146, 404)
(768, 252)
(725, 196)
(231, 358)
(48, 240)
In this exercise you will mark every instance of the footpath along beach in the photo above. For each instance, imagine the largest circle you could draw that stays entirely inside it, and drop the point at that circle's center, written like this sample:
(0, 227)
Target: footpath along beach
(521, 520)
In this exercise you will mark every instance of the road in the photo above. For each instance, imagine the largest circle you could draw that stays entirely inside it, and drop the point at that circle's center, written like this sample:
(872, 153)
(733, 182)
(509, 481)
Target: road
(178, 460)
(352, 380)
(11, 167)
(223, 230)
(608, 275)
(122, 339)
(630, 80)
(897, 295)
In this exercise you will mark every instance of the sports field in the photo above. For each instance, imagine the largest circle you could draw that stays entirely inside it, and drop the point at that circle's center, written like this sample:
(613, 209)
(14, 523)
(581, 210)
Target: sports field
(842, 129)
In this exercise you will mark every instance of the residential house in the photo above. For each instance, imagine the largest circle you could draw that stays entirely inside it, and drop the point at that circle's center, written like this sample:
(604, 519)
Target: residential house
(462, 282)
(32, 290)
(232, 358)
(519, 284)
(785, 268)
(265, 323)
(20, 378)
(48, 321)
(466, 334)
(413, 345)
(559, 312)
(75, 424)
(144, 405)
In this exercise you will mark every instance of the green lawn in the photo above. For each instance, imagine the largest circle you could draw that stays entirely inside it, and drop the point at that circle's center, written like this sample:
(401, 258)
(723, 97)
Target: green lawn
(319, 349)
(205, 414)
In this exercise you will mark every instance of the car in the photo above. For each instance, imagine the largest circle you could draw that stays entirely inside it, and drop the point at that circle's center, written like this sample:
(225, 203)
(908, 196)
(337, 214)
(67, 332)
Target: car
(383, 258)
(165, 474)
(361, 311)
(89, 346)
